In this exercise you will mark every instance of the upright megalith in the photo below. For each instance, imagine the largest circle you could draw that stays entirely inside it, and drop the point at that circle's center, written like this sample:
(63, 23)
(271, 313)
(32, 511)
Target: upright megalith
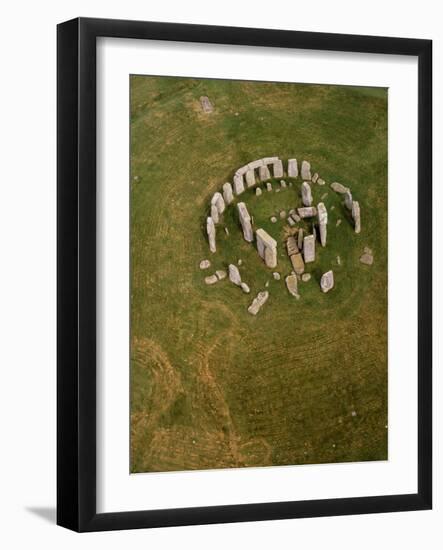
(278, 169)
(250, 178)
(348, 200)
(219, 202)
(266, 247)
(239, 184)
(245, 220)
(234, 275)
(305, 170)
(309, 248)
(300, 239)
(214, 213)
(322, 214)
(210, 229)
(292, 168)
(327, 281)
(306, 194)
(264, 173)
(356, 216)
(227, 193)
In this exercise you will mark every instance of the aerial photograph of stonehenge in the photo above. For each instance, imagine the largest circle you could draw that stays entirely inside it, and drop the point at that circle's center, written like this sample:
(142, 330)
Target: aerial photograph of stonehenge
(258, 249)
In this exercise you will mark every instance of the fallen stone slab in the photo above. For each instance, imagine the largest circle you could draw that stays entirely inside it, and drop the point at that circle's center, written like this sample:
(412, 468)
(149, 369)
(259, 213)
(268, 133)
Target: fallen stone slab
(234, 275)
(367, 259)
(210, 229)
(339, 188)
(211, 279)
(292, 246)
(221, 274)
(348, 200)
(307, 212)
(258, 302)
(292, 285)
(298, 264)
(327, 281)
(309, 248)
(206, 105)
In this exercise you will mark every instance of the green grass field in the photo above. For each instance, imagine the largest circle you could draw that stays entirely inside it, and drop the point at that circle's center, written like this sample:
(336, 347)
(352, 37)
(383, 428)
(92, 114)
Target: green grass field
(304, 381)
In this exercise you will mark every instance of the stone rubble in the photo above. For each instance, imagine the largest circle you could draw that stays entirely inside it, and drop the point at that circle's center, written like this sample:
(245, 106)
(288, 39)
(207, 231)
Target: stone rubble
(211, 279)
(234, 275)
(307, 212)
(309, 248)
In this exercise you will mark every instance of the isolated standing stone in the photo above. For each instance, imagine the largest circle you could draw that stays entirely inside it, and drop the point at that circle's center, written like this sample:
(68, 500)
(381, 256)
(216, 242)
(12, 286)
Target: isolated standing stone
(309, 248)
(206, 104)
(348, 200)
(258, 302)
(239, 185)
(269, 186)
(283, 184)
(245, 220)
(278, 169)
(258, 191)
(356, 216)
(306, 194)
(292, 168)
(300, 239)
(307, 212)
(210, 229)
(339, 188)
(219, 202)
(292, 285)
(291, 246)
(322, 222)
(264, 173)
(327, 281)
(250, 178)
(214, 213)
(227, 193)
(266, 247)
(305, 170)
(234, 275)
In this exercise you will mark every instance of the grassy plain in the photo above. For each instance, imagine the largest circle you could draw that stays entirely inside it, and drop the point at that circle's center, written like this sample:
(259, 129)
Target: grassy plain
(305, 381)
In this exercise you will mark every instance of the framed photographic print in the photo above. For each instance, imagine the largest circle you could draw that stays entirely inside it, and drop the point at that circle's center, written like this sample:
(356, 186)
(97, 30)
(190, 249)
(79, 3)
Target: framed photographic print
(244, 274)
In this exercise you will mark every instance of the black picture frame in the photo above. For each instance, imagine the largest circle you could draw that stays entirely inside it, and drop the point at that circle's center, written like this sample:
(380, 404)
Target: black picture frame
(76, 265)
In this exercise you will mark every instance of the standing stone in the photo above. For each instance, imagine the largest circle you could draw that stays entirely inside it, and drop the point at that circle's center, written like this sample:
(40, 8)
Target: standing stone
(309, 248)
(305, 170)
(227, 193)
(322, 222)
(239, 185)
(245, 220)
(327, 281)
(348, 200)
(276, 275)
(269, 186)
(258, 302)
(292, 168)
(356, 216)
(258, 191)
(250, 178)
(219, 202)
(283, 184)
(210, 229)
(307, 212)
(278, 169)
(266, 247)
(206, 104)
(300, 239)
(214, 213)
(339, 188)
(205, 264)
(264, 173)
(234, 275)
(315, 178)
(292, 285)
(306, 194)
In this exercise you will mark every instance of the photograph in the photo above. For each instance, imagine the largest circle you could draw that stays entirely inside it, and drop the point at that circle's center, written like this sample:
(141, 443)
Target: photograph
(258, 273)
